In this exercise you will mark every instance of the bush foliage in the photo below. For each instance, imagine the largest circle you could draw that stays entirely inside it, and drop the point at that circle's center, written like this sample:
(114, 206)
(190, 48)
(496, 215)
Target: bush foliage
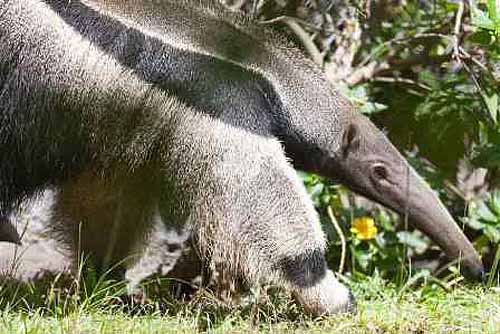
(428, 73)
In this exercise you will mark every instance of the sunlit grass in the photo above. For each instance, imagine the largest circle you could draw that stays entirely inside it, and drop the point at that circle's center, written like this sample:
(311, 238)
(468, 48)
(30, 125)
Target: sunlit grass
(55, 307)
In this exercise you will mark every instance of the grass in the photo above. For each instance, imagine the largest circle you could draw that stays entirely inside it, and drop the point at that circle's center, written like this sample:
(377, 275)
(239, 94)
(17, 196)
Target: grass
(382, 308)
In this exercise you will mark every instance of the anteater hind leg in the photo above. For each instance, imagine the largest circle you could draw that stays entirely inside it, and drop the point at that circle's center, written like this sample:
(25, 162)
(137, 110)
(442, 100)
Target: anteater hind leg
(101, 219)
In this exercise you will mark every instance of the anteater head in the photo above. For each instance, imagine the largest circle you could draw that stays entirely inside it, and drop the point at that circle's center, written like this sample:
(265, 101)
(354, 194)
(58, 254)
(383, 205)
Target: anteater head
(369, 164)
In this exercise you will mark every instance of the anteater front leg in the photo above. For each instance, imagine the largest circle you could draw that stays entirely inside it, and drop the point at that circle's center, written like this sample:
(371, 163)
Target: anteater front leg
(250, 213)
(278, 238)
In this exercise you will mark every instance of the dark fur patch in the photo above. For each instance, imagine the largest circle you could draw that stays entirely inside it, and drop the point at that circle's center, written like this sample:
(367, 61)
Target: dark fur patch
(304, 270)
(197, 79)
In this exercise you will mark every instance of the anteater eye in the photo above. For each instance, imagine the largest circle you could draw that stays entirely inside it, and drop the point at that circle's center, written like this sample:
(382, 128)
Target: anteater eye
(380, 172)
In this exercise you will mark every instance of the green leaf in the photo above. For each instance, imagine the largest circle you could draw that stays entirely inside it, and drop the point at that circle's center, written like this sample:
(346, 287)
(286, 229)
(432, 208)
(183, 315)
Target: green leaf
(481, 37)
(492, 105)
(413, 240)
(480, 19)
(429, 78)
(495, 202)
(484, 212)
(371, 108)
(492, 9)
(474, 223)
(493, 233)
(316, 189)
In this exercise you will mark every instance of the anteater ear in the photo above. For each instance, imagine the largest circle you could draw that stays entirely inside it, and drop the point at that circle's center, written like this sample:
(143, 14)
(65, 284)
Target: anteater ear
(351, 140)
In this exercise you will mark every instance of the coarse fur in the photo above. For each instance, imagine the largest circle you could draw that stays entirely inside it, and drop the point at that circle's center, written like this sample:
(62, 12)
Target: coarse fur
(130, 108)
(117, 148)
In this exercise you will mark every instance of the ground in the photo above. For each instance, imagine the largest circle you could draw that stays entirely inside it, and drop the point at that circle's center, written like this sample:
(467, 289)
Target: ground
(382, 308)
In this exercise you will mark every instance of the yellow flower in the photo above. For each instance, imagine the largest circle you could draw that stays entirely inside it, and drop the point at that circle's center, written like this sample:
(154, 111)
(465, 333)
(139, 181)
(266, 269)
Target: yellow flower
(364, 228)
